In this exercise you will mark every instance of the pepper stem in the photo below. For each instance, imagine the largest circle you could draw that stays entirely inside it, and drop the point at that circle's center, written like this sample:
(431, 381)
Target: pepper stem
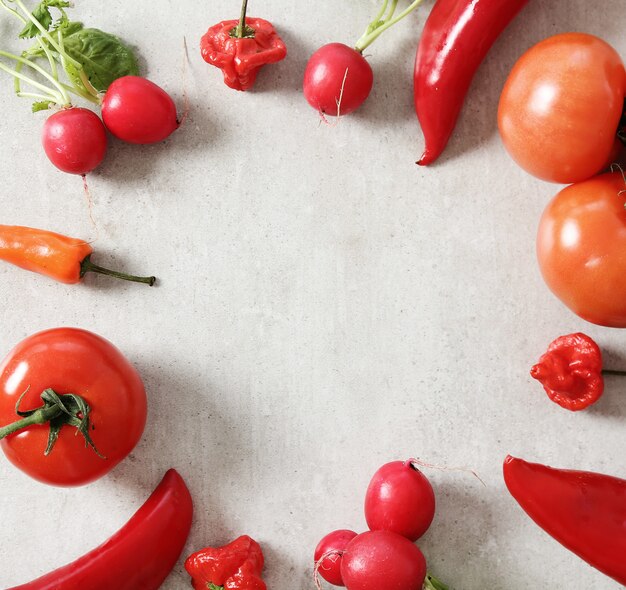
(87, 266)
(381, 23)
(242, 30)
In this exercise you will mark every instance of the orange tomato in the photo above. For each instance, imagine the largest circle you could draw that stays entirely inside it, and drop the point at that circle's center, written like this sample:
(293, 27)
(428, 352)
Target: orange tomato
(581, 247)
(561, 106)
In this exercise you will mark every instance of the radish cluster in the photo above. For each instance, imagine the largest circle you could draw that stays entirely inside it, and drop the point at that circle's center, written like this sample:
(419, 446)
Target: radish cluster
(399, 508)
(134, 110)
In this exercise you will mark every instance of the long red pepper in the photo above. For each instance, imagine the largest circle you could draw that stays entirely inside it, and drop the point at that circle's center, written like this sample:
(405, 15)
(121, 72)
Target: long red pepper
(140, 555)
(585, 512)
(457, 36)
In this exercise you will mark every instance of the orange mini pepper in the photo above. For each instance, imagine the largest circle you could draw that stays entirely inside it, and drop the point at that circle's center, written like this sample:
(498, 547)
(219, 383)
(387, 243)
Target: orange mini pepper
(64, 259)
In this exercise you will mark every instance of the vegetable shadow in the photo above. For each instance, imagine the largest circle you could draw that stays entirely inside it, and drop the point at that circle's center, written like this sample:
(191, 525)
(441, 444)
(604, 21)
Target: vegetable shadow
(459, 544)
(612, 404)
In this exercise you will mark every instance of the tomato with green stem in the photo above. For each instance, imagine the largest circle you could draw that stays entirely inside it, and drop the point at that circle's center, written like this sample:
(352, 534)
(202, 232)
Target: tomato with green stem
(85, 384)
(561, 106)
(337, 78)
(581, 246)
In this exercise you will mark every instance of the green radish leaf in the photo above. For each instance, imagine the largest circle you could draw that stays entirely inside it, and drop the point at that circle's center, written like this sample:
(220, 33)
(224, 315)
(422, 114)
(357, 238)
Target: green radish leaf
(44, 105)
(103, 57)
(44, 17)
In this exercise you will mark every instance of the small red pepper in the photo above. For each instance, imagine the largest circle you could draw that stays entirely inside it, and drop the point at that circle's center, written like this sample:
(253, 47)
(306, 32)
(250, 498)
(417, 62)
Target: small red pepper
(457, 36)
(241, 47)
(140, 555)
(236, 566)
(585, 512)
(571, 371)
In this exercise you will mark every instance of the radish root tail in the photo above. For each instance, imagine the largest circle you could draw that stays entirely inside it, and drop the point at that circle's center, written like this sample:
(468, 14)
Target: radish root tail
(446, 468)
(318, 565)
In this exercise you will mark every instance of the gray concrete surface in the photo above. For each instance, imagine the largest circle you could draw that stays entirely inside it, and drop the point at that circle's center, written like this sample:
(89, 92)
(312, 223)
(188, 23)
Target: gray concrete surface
(324, 305)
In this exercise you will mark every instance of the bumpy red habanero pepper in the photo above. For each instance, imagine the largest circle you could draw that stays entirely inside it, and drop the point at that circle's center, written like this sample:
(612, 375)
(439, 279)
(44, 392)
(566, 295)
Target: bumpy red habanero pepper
(140, 555)
(236, 566)
(585, 512)
(64, 259)
(457, 36)
(241, 47)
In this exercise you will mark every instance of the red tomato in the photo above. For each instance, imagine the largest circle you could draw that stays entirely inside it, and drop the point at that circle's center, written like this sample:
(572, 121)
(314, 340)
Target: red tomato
(561, 106)
(70, 360)
(74, 140)
(581, 246)
(337, 79)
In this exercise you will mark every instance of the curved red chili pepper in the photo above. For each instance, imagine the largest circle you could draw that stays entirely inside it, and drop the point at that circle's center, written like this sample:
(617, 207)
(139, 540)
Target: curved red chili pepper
(457, 36)
(571, 371)
(140, 555)
(585, 512)
(236, 566)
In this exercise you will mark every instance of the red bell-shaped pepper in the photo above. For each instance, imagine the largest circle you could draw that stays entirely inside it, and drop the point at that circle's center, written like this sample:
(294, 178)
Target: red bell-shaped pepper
(585, 512)
(236, 566)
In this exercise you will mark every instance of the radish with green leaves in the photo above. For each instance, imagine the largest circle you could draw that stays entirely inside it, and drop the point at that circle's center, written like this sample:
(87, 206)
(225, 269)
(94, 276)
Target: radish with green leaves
(93, 60)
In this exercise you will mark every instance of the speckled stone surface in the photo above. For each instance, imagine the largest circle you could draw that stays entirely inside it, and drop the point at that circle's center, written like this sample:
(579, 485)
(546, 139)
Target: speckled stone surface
(324, 305)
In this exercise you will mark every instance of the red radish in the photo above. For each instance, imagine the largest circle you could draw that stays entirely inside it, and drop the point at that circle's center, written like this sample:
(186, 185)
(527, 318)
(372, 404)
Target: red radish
(337, 79)
(333, 546)
(138, 111)
(74, 140)
(400, 498)
(382, 560)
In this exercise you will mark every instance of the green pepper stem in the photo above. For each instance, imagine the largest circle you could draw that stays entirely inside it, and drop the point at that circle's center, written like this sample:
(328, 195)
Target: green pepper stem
(613, 372)
(380, 24)
(40, 416)
(241, 27)
(87, 266)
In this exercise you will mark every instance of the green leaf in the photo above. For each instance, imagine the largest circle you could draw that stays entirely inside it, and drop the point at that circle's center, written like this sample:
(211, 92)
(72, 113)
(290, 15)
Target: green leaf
(44, 17)
(43, 105)
(104, 57)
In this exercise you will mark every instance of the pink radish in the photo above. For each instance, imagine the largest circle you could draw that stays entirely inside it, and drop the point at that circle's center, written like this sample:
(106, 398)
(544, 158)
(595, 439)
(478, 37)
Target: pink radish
(328, 554)
(400, 499)
(74, 140)
(136, 110)
(382, 560)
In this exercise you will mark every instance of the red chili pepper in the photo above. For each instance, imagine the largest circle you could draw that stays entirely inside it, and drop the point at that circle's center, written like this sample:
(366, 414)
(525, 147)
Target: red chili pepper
(571, 371)
(140, 555)
(457, 36)
(241, 47)
(236, 566)
(585, 512)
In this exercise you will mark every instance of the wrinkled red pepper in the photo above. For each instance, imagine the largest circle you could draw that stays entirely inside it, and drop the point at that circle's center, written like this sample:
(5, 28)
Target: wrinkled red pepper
(140, 555)
(585, 512)
(457, 36)
(571, 371)
(241, 47)
(236, 566)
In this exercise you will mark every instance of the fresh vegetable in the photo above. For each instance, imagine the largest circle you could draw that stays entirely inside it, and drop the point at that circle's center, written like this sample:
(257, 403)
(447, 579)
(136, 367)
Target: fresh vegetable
(328, 554)
(571, 371)
(561, 107)
(382, 559)
(240, 48)
(64, 259)
(236, 566)
(74, 140)
(337, 78)
(85, 383)
(140, 555)
(580, 246)
(400, 499)
(583, 511)
(138, 111)
(456, 38)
